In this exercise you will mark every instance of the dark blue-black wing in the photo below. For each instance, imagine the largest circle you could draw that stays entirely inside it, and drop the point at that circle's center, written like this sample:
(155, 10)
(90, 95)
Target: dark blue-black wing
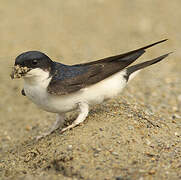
(79, 76)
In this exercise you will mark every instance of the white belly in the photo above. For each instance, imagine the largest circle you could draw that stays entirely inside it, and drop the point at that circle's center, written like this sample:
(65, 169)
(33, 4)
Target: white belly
(93, 94)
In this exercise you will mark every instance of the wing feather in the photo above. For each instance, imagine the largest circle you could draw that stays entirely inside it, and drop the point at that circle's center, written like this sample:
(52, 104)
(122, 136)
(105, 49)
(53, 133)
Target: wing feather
(93, 72)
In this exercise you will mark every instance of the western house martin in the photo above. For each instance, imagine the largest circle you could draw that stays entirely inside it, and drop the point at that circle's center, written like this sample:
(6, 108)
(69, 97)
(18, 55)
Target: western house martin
(60, 88)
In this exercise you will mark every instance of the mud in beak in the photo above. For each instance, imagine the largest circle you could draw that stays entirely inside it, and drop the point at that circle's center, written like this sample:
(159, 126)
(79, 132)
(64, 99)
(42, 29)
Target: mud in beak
(18, 71)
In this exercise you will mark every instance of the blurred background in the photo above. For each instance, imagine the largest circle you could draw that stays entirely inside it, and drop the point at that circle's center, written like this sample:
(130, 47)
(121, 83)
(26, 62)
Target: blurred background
(79, 31)
(71, 30)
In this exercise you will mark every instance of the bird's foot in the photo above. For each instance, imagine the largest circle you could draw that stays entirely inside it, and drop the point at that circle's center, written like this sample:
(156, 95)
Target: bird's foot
(84, 109)
(58, 123)
(68, 127)
(43, 135)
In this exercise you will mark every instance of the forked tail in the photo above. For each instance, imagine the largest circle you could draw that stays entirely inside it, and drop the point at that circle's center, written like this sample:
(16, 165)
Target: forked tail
(137, 67)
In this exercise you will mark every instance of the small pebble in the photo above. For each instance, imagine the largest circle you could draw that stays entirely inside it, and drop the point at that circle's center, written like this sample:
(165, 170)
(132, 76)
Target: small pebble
(148, 142)
(119, 178)
(115, 153)
(141, 170)
(99, 149)
(149, 154)
(96, 155)
(119, 142)
(28, 128)
(69, 147)
(175, 108)
(8, 137)
(179, 97)
(130, 127)
(130, 115)
(151, 172)
(176, 134)
(176, 116)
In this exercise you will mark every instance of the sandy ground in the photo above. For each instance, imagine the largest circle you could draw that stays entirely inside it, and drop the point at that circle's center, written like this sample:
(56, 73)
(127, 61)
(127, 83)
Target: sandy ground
(134, 136)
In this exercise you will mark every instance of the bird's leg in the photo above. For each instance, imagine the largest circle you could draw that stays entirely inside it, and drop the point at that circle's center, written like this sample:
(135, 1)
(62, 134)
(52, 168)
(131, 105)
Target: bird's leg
(58, 123)
(84, 110)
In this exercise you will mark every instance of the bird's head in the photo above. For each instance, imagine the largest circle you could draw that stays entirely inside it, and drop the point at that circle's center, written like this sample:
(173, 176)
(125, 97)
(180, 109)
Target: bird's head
(31, 64)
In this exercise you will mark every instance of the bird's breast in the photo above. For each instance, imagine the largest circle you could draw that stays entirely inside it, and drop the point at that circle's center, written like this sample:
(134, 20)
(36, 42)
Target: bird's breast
(93, 94)
(48, 102)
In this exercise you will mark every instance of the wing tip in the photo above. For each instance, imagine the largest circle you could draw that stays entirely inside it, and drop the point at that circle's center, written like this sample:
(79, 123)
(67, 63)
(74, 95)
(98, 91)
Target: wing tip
(140, 66)
(153, 44)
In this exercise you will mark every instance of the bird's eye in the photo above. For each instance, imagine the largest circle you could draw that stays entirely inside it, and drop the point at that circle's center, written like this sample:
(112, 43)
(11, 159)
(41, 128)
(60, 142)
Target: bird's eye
(34, 62)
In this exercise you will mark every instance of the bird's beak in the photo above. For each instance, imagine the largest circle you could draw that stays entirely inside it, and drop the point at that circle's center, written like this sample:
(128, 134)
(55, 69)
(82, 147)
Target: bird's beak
(18, 71)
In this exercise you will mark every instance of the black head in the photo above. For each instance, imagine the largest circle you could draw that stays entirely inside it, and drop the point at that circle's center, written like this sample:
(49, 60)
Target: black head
(33, 59)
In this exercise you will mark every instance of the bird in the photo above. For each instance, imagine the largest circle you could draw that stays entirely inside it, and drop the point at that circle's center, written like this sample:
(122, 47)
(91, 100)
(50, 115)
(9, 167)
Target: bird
(61, 88)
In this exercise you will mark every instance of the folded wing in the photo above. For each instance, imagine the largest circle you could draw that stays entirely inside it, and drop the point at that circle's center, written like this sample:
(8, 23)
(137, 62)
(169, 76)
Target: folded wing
(94, 72)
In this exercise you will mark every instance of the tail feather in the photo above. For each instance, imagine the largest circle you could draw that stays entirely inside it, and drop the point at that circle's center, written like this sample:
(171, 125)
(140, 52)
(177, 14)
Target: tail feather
(137, 67)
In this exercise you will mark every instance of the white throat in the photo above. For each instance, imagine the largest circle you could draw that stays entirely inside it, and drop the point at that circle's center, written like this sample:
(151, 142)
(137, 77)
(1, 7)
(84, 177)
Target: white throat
(37, 77)
(36, 82)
